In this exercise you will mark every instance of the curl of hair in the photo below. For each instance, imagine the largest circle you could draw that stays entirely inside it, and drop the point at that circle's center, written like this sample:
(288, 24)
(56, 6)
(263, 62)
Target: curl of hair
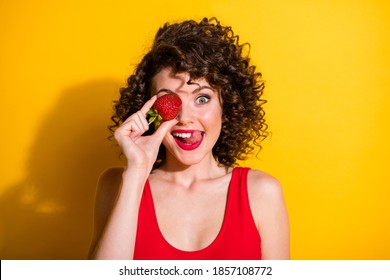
(211, 51)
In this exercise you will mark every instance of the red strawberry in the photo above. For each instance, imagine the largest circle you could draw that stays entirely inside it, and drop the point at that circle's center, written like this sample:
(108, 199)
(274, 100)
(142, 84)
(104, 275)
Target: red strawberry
(165, 108)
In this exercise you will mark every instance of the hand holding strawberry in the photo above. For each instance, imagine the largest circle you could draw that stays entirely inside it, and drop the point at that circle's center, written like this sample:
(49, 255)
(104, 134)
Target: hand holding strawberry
(166, 108)
(141, 150)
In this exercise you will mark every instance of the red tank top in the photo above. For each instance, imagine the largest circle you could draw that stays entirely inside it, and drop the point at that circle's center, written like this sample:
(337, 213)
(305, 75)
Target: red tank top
(237, 239)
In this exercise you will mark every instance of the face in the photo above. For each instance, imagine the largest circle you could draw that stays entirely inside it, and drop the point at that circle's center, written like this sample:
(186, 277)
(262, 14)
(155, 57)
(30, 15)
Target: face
(191, 140)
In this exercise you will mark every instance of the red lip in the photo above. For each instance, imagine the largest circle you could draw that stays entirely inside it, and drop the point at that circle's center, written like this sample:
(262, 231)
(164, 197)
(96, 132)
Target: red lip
(187, 147)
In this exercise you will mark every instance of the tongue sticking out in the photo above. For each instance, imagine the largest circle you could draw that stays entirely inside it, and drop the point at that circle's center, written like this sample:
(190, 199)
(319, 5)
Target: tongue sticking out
(194, 138)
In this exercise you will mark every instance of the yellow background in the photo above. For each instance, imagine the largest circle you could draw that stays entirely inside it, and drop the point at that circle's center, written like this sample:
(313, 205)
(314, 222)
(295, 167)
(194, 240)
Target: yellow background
(327, 69)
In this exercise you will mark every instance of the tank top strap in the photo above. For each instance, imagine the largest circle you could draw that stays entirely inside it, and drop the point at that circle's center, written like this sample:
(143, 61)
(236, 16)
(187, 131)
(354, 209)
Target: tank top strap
(147, 217)
(238, 192)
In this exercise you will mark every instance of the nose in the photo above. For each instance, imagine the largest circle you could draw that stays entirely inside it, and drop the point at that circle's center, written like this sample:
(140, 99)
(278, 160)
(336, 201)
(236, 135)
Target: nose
(185, 115)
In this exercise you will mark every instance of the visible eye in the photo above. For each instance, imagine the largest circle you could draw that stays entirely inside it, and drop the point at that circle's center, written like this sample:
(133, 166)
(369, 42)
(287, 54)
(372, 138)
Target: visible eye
(202, 99)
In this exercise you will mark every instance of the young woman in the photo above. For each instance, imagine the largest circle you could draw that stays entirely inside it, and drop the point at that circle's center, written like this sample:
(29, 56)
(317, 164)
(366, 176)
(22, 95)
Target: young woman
(182, 195)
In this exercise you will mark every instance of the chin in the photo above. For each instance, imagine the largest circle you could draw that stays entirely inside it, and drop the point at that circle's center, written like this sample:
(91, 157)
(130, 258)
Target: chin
(188, 160)
(187, 157)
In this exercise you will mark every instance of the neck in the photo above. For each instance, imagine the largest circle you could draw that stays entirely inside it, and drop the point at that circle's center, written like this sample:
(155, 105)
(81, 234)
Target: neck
(208, 168)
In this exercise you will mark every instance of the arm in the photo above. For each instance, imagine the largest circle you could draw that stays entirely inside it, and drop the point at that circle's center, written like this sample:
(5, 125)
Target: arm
(119, 194)
(270, 214)
(116, 214)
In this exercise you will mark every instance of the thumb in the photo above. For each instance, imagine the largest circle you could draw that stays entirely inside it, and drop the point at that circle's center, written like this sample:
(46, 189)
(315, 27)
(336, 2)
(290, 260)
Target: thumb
(163, 129)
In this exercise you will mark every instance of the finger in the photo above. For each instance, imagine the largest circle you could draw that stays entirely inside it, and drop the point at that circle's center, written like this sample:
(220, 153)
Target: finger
(136, 119)
(148, 104)
(135, 129)
(130, 128)
(143, 123)
(163, 129)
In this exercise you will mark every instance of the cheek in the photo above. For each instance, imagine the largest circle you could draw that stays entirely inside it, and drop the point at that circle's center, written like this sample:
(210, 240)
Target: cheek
(213, 118)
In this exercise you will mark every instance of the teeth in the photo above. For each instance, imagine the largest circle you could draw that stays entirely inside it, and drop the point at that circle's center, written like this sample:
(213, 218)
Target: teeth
(182, 135)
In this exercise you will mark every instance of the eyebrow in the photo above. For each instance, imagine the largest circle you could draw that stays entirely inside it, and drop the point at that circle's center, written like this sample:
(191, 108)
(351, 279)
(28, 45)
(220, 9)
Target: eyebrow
(196, 90)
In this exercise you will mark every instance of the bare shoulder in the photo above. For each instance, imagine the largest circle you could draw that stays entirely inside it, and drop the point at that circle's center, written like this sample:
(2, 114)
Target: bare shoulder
(263, 186)
(270, 214)
(107, 190)
(109, 176)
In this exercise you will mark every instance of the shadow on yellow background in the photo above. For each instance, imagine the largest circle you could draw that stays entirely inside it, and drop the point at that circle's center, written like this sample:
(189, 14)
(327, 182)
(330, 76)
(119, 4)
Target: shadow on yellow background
(48, 215)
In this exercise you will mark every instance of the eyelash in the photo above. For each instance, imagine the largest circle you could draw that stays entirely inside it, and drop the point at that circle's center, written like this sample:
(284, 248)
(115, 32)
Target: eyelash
(203, 96)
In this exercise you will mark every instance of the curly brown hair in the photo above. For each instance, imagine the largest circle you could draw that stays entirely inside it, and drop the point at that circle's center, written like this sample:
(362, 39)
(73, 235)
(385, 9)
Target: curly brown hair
(204, 49)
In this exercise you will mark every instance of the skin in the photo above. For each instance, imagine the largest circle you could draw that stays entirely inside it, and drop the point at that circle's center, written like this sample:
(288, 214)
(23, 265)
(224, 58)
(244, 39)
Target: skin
(184, 185)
